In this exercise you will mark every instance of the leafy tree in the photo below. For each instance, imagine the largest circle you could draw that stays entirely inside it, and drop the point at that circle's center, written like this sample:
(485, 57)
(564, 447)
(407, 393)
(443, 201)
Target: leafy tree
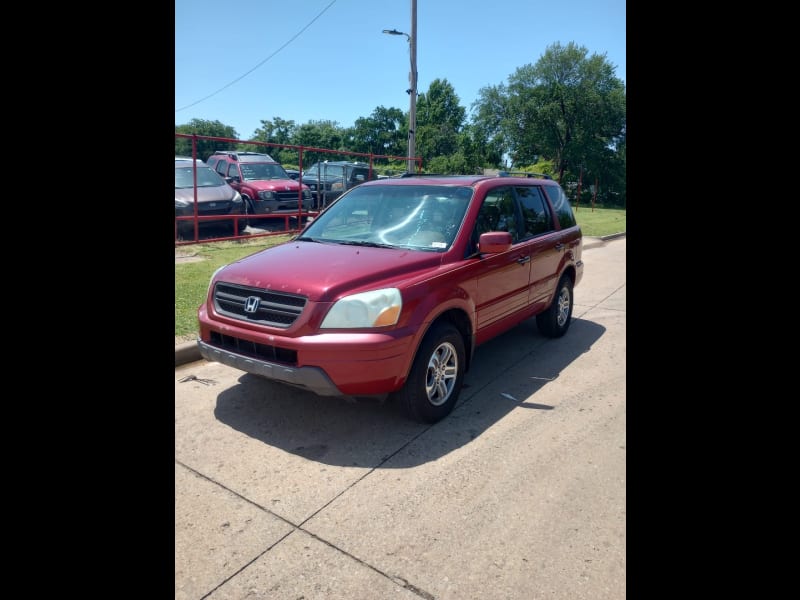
(380, 133)
(275, 131)
(440, 118)
(489, 116)
(478, 151)
(205, 148)
(319, 134)
(568, 107)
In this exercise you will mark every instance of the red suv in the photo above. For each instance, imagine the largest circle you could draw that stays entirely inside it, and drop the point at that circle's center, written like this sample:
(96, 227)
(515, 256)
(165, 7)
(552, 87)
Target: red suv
(264, 184)
(392, 287)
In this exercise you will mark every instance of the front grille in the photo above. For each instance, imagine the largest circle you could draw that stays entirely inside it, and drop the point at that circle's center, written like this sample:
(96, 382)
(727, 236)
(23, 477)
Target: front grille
(275, 309)
(222, 207)
(287, 197)
(254, 350)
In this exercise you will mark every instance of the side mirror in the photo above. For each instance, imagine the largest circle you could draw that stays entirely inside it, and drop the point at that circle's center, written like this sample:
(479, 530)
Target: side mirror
(493, 242)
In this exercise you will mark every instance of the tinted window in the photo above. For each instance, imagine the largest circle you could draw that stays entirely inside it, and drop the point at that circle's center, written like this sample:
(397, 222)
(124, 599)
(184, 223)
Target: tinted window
(498, 213)
(561, 205)
(535, 213)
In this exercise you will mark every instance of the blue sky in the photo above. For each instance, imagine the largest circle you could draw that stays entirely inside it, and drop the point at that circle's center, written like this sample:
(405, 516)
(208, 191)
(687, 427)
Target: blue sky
(244, 61)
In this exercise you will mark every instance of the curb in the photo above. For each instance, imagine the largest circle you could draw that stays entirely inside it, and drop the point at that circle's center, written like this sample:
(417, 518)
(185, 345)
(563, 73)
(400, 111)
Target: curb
(594, 242)
(186, 353)
(190, 351)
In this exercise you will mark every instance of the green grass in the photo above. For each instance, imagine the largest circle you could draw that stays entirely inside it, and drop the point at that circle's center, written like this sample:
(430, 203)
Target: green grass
(600, 221)
(191, 278)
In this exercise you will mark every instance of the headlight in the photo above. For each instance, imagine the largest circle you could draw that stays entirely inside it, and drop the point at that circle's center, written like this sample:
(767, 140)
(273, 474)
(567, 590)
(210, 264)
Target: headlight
(266, 195)
(379, 308)
(237, 199)
(306, 194)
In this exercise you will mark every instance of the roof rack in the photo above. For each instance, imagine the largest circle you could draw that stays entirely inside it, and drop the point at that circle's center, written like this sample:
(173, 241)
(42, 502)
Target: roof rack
(407, 174)
(237, 155)
(522, 174)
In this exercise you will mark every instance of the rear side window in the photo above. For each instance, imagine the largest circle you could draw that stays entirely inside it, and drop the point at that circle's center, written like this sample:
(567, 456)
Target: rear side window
(535, 213)
(564, 214)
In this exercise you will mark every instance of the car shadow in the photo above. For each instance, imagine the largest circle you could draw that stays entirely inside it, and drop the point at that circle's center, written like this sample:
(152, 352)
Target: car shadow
(506, 374)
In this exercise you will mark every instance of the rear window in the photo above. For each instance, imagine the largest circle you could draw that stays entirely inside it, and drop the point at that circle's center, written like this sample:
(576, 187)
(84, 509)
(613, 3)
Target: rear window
(566, 217)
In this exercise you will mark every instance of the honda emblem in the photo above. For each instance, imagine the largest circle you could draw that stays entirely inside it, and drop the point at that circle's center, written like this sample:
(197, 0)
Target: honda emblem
(251, 304)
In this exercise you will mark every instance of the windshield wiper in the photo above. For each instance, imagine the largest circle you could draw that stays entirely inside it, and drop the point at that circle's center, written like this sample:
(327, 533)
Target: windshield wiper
(367, 244)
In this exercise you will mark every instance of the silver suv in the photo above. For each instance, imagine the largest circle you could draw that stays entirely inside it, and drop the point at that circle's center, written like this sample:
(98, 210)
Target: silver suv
(214, 197)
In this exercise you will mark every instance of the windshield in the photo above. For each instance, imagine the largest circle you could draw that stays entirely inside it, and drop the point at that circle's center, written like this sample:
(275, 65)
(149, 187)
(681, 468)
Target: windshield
(324, 170)
(260, 171)
(206, 177)
(419, 216)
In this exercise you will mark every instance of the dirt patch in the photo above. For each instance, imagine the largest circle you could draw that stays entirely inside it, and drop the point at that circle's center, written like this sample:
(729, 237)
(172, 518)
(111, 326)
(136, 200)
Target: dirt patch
(183, 256)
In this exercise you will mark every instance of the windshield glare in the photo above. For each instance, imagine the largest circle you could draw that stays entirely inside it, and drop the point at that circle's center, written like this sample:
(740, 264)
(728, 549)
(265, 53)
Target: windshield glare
(206, 177)
(419, 216)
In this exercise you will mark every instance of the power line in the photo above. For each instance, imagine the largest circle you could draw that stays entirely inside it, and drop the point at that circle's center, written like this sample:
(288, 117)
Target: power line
(259, 64)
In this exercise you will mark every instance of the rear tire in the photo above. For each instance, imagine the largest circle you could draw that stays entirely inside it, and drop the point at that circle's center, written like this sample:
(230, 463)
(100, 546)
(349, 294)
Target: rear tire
(555, 321)
(436, 376)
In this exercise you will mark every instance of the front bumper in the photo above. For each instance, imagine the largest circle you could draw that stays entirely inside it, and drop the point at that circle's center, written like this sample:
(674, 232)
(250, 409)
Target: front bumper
(328, 364)
(312, 379)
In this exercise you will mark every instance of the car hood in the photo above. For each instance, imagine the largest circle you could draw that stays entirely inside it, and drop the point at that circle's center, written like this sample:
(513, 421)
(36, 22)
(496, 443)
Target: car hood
(205, 194)
(274, 185)
(322, 272)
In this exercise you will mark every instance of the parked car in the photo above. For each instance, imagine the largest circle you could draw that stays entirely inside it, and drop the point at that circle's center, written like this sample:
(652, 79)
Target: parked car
(214, 197)
(264, 184)
(329, 179)
(390, 289)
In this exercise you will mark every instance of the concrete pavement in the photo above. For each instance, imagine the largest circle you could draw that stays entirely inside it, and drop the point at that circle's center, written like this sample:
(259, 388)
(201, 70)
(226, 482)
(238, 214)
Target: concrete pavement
(519, 494)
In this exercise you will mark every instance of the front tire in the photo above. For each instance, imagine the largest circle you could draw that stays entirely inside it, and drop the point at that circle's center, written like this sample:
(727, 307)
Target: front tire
(555, 321)
(436, 376)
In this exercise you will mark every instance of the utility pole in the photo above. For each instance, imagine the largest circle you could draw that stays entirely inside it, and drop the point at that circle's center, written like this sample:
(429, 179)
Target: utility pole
(412, 90)
(412, 111)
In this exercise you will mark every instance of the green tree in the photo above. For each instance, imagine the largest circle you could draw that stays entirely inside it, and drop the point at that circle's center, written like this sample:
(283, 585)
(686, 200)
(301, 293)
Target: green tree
(479, 152)
(568, 107)
(319, 134)
(380, 133)
(275, 131)
(205, 148)
(440, 119)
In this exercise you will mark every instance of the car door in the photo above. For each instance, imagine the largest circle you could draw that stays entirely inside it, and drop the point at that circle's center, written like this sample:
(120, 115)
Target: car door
(543, 242)
(504, 278)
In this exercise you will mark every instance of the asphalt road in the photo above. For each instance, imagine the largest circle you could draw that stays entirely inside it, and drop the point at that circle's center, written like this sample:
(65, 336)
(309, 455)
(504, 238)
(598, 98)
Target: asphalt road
(519, 494)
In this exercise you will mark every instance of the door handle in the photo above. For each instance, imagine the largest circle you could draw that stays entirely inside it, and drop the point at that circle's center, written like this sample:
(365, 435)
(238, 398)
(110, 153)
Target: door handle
(559, 246)
(524, 259)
